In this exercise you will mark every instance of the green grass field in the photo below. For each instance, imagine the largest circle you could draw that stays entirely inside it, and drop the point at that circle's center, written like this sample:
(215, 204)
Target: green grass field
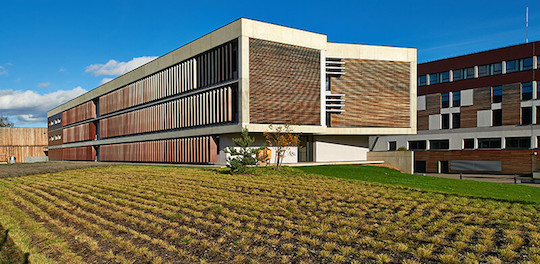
(149, 214)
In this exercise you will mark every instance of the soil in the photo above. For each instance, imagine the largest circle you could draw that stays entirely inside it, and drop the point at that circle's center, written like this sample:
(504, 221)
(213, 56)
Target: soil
(23, 169)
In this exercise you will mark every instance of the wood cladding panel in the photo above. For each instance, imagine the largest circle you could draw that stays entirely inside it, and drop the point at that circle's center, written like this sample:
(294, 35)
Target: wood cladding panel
(284, 83)
(182, 150)
(79, 133)
(511, 104)
(481, 101)
(21, 142)
(377, 94)
(79, 113)
(217, 106)
(79, 153)
(209, 68)
(513, 161)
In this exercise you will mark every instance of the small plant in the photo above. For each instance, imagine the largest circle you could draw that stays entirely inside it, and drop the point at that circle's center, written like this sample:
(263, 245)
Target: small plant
(244, 156)
(281, 138)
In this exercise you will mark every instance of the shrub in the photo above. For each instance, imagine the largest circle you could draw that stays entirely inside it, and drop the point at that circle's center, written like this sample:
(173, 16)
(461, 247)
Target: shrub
(243, 156)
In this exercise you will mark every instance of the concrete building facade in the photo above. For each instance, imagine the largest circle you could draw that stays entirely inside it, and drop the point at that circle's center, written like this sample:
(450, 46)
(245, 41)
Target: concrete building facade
(186, 106)
(476, 113)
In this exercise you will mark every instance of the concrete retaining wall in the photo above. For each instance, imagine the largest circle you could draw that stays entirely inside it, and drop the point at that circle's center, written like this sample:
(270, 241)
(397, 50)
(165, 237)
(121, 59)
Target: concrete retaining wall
(403, 160)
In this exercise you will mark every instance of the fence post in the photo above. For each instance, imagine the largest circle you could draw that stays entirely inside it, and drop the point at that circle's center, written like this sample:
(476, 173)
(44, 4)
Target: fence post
(461, 175)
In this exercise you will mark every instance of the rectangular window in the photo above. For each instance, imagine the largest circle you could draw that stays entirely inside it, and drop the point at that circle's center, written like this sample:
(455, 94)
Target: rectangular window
(392, 145)
(512, 66)
(417, 145)
(468, 143)
(497, 117)
(486, 143)
(457, 75)
(445, 120)
(526, 64)
(526, 115)
(445, 100)
(518, 142)
(496, 68)
(496, 94)
(456, 99)
(422, 80)
(526, 91)
(456, 120)
(445, 77)
(483, 70)
(434, 78)
(538, 115)
(469, 73)
(439, 144)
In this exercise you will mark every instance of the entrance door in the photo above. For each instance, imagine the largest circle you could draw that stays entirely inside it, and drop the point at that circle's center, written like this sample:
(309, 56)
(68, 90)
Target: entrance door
(305, 150)
(443, 166)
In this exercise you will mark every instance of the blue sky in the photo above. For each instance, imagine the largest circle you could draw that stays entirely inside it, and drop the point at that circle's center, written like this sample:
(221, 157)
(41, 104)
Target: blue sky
(52, 51)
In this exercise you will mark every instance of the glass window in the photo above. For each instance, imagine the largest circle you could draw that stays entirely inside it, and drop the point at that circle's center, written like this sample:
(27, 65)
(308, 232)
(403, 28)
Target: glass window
(422, 80)
(445, 121)
(469, 73)
(445, 100)
(512, 66)
(483, 70)
(538, 115)
(328, 87)
(526, 64)
(445, 77)
(468, 143)
(526, 115)
(489, 143)
(439, 144)
(526, 91)
(496, 118)
(496, 68)
(496, 94)
(392, 145)
(456, 99)
(434, 78)
(456, 120)
(518, 142)
(417, 145)
(457, 75)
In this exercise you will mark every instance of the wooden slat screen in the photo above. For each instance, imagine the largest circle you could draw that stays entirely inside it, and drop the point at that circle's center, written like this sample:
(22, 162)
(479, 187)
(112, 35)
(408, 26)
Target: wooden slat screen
(78, 153)
(182, 150)
(79, 113)
(79, 133)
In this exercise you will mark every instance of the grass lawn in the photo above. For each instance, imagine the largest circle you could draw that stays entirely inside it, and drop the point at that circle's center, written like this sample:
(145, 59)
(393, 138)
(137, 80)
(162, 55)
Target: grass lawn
(501, 191)
(148, 214)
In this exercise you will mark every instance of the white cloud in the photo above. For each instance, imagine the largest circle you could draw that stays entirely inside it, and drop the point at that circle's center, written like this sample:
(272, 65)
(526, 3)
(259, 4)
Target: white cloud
(3, 70)
(113, 67)
(44, 85)
(62, 69)
(31, 107)
(106, 80)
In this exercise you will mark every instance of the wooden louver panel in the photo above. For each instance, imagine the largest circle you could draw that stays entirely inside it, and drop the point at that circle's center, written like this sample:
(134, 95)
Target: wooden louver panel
(79, 113)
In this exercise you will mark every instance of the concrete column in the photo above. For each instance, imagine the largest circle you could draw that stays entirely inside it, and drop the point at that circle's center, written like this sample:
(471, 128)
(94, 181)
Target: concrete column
(503, 67)
(243, 75)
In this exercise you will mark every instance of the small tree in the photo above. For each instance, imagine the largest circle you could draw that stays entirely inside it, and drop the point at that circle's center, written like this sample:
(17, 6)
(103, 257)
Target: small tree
(244, 156)
(4, 121)
(281, 138)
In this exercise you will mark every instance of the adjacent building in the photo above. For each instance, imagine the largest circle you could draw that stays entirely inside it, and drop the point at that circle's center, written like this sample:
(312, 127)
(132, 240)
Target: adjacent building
(24, 144)
(476, 113)
(187, 105)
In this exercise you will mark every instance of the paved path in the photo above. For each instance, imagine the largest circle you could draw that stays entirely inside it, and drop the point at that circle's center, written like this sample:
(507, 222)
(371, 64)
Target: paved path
(501, 178)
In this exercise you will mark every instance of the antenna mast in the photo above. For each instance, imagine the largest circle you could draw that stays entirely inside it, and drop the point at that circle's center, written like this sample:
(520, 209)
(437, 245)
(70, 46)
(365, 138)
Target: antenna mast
(527, 26)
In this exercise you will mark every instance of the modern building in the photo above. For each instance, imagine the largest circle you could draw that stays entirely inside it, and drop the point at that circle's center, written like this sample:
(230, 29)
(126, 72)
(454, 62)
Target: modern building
(187, 105)
(25, 144)
(476, 113)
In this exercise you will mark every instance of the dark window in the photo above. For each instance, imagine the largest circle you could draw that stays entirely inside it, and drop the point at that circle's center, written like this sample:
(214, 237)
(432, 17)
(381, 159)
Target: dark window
(496, 68)
(497, 118)
(445, 77)
(512, 66)
(469, 73)
(457, 75)
(526, 115)
(518, 142)
(392, 145)
(468, 143)
(420, 166)
(445, 99)
(439, 144)
(538, 115)
(526, 64)
(526, 91)
(328, 119)
(422, 80)
(445, 121)
(434, 78)
(456, 99)
(489, 143)
(483, 70)
(328, 87)
(417, 145)
(496, 92)
(456, 120)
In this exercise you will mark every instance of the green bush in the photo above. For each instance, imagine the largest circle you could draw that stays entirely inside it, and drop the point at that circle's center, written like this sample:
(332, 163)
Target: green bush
(243, 156)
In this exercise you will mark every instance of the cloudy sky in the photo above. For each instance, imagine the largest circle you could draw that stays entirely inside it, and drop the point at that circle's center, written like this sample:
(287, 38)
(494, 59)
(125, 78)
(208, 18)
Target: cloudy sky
(53, 51)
